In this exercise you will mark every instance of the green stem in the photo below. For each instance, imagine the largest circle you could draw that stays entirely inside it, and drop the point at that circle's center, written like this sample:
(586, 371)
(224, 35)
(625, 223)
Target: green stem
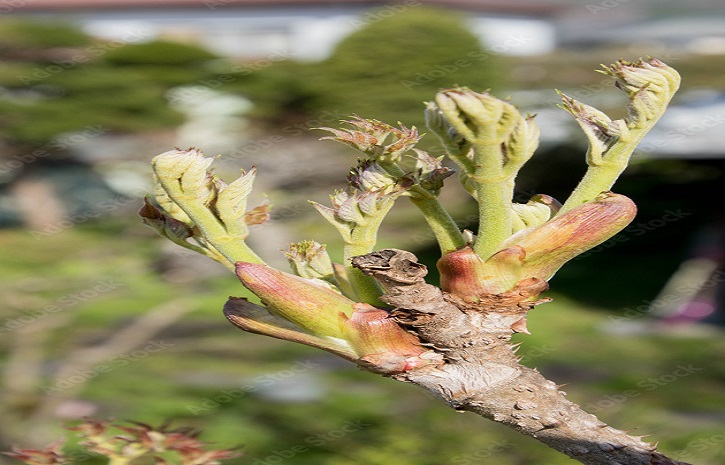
(494, 193)
(444, 229)
(366, 288)
(603, 173)
(461, 160)
(231, 246)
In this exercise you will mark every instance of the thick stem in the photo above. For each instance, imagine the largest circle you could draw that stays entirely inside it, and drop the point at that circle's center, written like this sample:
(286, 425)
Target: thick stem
(365, 289)
(481, 372)
(494, 193)
(602, 174)
(606, 167)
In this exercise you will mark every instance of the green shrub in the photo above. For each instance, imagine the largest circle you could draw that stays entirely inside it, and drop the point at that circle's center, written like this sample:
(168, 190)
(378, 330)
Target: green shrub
(386, 69)
(121, 89)
(18, 38)
(158, 53)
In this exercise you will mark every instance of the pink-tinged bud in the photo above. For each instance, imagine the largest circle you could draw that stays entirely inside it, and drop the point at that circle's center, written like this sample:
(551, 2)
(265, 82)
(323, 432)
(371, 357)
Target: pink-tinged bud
(309, 305)
(466, 275)
(565, 236)
(49, 455)
(164, 224)
(255, 319)
(382, 345)
(378, 140)
(536, 252)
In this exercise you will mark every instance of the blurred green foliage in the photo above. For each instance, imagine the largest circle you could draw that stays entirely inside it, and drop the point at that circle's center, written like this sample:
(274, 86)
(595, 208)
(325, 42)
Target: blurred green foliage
(20, 38)
(123, 88)
(58, 80)
(385, 70)
(232, 384)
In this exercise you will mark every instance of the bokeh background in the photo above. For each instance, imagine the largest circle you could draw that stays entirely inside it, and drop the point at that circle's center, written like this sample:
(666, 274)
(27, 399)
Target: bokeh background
(99, 317)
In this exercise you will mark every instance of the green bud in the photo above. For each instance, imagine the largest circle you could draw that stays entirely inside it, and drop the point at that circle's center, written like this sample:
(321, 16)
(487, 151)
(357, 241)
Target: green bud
(538, 210)
(536, 252)
(190, 193)
(309, 259)
(456, 145)
(650, 86)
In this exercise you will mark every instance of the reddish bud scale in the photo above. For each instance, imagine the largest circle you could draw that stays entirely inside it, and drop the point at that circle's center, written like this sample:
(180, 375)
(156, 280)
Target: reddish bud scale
(536, 252)
(370, 330)
(549, 246)
(463, 272)
(381, 343)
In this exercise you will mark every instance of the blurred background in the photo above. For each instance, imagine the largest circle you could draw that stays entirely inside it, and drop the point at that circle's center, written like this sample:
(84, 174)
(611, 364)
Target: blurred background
(101, 318)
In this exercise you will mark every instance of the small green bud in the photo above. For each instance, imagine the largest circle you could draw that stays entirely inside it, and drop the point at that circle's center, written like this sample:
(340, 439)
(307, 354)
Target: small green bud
(189, 192)
(309, 259)
(368, 176)
(538, 210)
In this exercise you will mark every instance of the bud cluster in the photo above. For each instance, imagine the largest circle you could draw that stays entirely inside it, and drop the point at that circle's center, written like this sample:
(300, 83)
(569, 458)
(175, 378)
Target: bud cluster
(123, 445)
(336, 307)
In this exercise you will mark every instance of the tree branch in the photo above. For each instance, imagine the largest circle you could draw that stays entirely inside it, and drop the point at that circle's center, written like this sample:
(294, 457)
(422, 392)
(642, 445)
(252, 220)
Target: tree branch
(482, 373)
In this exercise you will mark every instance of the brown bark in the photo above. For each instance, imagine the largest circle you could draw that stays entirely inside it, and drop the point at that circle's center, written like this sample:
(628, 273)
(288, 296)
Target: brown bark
(481, 372)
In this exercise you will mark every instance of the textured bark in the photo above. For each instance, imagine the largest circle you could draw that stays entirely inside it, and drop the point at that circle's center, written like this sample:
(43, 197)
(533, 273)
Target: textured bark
(480, 371)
